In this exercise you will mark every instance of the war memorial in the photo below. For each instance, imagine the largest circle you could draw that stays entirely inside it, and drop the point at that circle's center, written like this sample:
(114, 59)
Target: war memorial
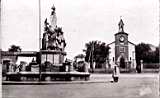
(47, 63)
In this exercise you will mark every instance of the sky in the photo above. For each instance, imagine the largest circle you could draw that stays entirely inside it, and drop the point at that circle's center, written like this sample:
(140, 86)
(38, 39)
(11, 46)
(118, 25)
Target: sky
(81, 20)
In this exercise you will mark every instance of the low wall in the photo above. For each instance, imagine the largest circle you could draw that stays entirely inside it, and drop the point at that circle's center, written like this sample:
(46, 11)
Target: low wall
(151, 65)
(147, 70)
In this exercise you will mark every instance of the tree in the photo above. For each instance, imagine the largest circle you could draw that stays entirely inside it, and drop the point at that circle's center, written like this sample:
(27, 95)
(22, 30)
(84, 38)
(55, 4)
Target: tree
(80, 56)
(14, 48)
(145, 53)
(154, 58)
(157, 56)
(96, 51)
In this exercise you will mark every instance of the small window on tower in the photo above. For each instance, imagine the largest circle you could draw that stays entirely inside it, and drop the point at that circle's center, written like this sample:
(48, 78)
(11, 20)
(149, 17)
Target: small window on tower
(122, 49)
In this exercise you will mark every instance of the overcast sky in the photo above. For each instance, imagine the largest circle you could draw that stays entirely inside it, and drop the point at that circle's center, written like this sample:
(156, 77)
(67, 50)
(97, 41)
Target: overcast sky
(81, 21)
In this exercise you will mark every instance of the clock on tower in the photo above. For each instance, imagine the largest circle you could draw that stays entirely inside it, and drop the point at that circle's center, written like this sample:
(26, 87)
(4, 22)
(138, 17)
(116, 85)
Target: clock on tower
(121, 39)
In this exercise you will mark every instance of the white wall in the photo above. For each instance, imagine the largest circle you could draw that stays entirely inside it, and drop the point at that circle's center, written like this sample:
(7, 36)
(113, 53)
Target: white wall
(112, 53)
(131, 51)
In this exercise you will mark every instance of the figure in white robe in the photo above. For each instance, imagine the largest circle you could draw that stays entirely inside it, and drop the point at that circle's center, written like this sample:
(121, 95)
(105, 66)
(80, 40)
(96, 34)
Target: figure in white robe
(53, 18)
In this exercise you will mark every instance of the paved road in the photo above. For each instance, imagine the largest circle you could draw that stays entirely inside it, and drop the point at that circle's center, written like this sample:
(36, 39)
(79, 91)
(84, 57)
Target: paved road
(129, 86)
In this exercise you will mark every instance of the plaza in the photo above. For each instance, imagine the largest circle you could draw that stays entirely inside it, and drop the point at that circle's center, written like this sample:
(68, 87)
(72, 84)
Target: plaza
(99, 86)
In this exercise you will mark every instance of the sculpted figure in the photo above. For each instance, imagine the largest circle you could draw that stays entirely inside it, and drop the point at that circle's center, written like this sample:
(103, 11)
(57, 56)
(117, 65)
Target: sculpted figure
(53, 18)
(53, 38)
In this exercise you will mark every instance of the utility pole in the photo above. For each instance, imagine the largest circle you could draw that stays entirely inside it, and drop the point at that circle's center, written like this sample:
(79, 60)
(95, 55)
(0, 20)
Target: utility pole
(40, 68)
(39, 23)
(91, 56)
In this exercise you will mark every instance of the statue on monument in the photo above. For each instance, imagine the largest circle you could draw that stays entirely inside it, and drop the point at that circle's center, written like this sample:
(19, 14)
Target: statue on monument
(53, 18)
(53, 38)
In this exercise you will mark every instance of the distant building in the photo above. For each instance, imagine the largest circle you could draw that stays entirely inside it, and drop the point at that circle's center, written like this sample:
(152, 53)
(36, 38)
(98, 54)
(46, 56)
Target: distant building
(9, 58)
(152, 47)
(122, 51)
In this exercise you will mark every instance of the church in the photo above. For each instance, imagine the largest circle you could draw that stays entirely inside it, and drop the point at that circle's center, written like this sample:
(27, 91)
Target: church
(122, 51)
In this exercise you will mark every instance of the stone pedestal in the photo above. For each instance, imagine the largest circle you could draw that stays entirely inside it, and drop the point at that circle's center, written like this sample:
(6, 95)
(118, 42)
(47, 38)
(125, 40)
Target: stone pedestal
(35, 68)
(55, 57)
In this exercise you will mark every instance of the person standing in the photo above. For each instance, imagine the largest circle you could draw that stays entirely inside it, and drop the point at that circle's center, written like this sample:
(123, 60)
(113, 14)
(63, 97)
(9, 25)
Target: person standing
(116, 73)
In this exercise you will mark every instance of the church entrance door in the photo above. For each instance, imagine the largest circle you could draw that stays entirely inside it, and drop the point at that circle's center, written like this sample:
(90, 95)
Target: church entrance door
(122, 62)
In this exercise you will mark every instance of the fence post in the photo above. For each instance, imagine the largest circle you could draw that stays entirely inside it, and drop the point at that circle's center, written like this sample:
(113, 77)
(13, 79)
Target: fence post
(141, 65)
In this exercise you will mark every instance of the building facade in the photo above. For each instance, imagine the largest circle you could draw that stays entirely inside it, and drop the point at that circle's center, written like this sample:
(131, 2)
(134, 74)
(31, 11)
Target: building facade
(122, 51)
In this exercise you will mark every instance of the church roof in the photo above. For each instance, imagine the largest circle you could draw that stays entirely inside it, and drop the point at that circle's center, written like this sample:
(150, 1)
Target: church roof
(131, 43)
(110, 43)
(114, 42)
(121, 33)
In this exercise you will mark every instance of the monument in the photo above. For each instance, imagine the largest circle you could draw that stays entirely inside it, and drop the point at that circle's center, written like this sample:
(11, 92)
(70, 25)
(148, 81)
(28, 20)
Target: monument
(53, 42)
(49, 61)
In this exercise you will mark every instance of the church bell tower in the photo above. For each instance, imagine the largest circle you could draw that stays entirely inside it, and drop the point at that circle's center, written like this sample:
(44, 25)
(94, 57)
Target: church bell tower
(121, 46)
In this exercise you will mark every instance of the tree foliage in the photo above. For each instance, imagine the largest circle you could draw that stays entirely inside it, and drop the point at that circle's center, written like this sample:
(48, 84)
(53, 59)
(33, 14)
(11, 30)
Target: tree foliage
(96, 51)
(145, 53)
(14, 48)
(80, 56)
